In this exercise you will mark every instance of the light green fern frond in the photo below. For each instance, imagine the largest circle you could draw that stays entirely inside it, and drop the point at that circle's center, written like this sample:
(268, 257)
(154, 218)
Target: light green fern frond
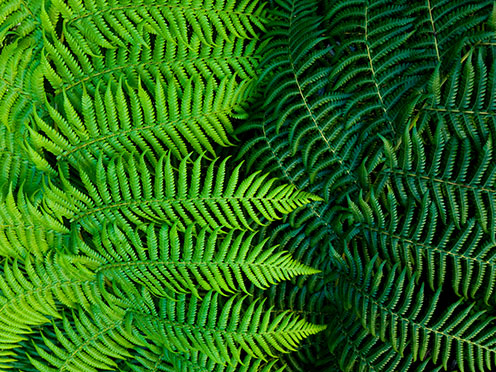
(129, 194)
(88, 342)
(129, 120)
(31, 294)
(170, 261)
(222, 332)
(25, 231)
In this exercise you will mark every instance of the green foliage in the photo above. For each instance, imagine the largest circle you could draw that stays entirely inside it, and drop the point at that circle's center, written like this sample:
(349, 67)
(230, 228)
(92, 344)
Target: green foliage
(385, 109)
(238, 185)
(127, 236)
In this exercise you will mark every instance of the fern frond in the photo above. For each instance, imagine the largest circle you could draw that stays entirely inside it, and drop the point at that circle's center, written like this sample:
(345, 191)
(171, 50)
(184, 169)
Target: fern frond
(198, 362)
(364, 352)
(391, 306)
(425, 247)
(17, 169)
(18, 20)
(19, 83)
(222, 333)
(30, 294)
(88, 342)
(170, 261)
(137, 63)
(442, 25)
(458, 175)
(127, 120)
(370, 59)
(130, 193)
(113, 22)
(295, 77)
(26, 231)
(462, 97)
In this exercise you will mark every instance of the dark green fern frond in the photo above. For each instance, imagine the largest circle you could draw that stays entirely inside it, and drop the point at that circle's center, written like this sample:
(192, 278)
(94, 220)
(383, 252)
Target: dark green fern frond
(462, 98)
(443, 25)
(391, 306)
(414, 237)
(357, 350)
(458, 175)
(370, 60)
(296, 96)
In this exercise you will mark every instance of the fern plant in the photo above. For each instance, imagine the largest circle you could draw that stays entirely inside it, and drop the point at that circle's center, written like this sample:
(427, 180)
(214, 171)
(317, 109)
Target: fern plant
(128, 240)
(234, 185)
(384, 109)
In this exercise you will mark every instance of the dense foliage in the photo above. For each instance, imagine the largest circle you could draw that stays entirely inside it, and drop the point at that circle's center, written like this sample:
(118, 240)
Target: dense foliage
(239, 185)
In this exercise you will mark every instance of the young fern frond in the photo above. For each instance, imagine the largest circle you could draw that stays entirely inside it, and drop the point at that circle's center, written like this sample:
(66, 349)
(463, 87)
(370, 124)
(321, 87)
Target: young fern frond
(173, 262)
(129, 193)
(18, 19)
(84, 87)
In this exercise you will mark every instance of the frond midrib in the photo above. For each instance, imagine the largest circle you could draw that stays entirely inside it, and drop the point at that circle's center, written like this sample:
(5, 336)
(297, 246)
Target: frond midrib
(173, 200)
(136, 66)
(150, 127)
(163, 5)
